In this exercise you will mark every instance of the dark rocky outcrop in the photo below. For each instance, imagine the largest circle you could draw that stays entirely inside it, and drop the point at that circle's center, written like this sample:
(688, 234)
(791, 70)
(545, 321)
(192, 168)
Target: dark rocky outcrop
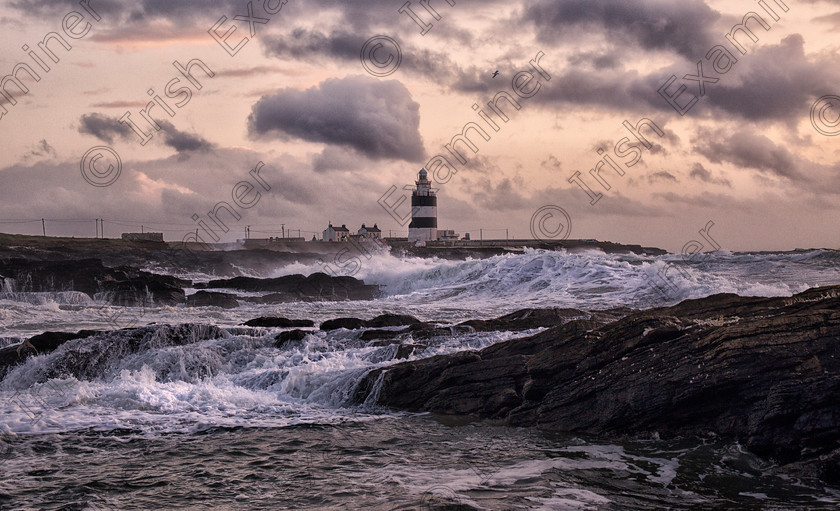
(376, 334)
(212, 299)
(477, 249)
(524, 319)
(279, 322)
(386, 320)
(348, 323)
(406, 350)
(276, 298)
(91, 356)
(318, 286)
(123, 285)
(144, 291)
(85, 275)
(37, 345)
(291, 338)
(383, 320)
(764, 371)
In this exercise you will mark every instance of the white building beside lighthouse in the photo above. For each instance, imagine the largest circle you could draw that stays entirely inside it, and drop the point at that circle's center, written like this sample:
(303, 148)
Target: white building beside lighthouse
(423, 226)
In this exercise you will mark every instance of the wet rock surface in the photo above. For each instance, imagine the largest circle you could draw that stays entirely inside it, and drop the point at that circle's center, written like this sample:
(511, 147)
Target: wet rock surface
(123, 286)
(318, 286)
(130, 287)
(764, 371)
(212, 299)
(279, 322)
(291, 338)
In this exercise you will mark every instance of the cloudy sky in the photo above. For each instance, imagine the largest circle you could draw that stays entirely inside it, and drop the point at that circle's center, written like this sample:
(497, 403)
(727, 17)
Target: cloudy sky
(336, 131)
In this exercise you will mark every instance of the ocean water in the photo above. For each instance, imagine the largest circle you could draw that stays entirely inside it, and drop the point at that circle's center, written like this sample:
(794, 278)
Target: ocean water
(190, 410)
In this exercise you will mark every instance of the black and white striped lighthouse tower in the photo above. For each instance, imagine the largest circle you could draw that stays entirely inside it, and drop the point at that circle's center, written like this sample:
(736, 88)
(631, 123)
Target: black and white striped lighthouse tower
(423, 226)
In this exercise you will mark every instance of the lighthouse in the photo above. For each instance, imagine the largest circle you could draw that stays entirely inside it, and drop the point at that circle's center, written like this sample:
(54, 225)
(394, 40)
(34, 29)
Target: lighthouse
(423, 226)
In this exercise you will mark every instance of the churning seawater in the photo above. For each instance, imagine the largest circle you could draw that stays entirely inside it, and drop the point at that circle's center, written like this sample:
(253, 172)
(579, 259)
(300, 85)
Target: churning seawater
(191, 411)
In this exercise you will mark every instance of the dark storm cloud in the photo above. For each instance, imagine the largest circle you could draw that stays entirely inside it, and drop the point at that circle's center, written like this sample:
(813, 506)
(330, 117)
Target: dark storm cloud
(306, 44)
(748, 150)
(662, 176)
(132, 9)
(377, 118)
(182, 141)
(103, 127)
(682, 27)
(618, 89)
(248, 72)
(314, 46)
(777, 82)
(338, 159)
(698, 171)
(832, 19)
(552, 164)
(505, 195)
(599, 61)
(196, 13)
(107, 129)
(771, 83)
(41, 150)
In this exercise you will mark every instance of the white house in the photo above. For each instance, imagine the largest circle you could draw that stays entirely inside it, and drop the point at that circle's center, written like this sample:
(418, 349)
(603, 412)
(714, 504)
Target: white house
(336, 233)
(372, 233)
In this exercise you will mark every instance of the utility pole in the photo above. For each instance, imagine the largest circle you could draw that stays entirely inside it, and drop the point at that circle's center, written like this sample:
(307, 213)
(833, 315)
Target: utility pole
(44, 227)
(141, 229)
(506, 234)
(283, 230)
(96, 222)
(481, 235)
(102, 227)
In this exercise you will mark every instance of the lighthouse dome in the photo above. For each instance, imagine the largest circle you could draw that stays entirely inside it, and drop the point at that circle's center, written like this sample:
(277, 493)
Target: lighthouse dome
(423, 175)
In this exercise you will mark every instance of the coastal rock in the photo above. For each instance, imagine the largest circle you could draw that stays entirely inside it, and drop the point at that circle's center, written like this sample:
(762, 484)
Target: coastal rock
(279, 322)
(85, 275)
(144, 291)
(348, 323)
(122, 286)
(37, 345)
(430, 331)
(383, 320)
(290, 338)
(212, 299)
(318, 286)
(377, 334)
(763, 371)
(526, 319)
(275, 298)
(406, 350)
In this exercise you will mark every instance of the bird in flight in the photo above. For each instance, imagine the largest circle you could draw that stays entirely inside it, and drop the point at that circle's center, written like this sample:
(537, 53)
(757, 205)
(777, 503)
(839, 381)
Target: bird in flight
(496, 73)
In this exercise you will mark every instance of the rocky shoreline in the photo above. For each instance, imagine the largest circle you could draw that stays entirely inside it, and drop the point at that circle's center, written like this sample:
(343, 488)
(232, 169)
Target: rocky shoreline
(762, 371)
(225, 259)
(130, 287)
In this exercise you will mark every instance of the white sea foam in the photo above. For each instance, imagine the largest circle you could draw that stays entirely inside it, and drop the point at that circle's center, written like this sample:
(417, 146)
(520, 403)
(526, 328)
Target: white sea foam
(587, 279)
(193, 377)
(240, 378)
